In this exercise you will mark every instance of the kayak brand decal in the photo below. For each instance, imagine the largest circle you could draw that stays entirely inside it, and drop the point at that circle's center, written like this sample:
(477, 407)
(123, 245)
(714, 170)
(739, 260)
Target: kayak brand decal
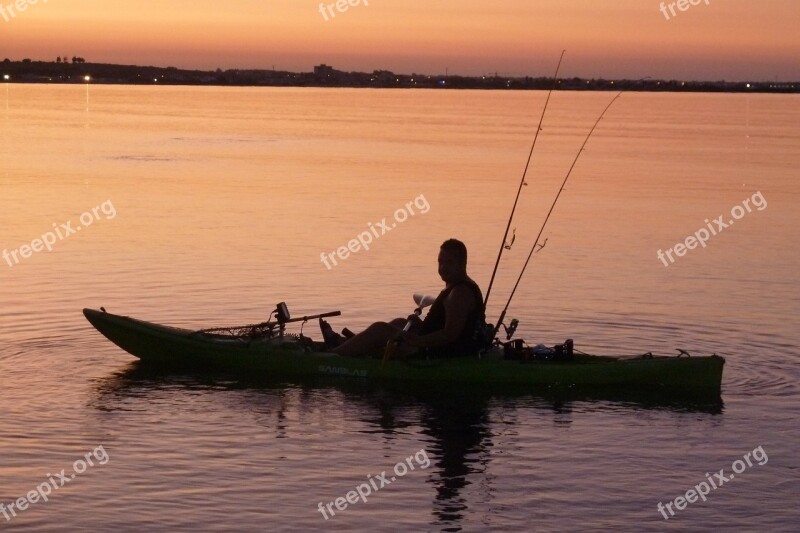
(342, 371)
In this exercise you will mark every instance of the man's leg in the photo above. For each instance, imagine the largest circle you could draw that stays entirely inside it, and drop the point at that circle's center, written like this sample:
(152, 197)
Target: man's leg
(369, 342)
(403, 351)
(400, 323)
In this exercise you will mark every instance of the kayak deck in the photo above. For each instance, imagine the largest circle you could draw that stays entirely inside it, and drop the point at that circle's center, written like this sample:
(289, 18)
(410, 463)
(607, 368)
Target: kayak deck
(286, 356)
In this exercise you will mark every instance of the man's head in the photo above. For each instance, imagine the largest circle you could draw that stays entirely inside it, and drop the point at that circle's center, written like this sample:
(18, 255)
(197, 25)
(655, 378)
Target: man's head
(452, 260)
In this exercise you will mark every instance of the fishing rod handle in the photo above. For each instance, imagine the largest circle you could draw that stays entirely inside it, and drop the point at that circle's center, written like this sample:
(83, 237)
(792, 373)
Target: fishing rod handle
(499, 322)
(417, 312)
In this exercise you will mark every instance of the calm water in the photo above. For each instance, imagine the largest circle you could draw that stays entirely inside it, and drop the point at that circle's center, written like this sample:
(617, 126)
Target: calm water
(215, 204)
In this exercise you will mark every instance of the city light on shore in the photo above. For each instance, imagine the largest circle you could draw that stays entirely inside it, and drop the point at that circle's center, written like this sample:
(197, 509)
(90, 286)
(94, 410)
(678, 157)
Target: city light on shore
(87, 79)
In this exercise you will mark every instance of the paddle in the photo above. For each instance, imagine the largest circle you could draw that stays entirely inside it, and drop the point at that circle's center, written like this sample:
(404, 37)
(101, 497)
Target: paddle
(422, 302)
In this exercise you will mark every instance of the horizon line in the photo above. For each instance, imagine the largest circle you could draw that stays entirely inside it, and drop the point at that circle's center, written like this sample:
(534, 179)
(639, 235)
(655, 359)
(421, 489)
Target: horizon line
(447, 74)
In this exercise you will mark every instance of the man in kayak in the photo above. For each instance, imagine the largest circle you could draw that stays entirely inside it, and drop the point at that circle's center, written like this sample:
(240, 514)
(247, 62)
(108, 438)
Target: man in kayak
(449, 329)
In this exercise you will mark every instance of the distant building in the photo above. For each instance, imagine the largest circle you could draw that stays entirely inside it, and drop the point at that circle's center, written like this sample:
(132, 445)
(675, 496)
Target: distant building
(384, 76)
(323, 71)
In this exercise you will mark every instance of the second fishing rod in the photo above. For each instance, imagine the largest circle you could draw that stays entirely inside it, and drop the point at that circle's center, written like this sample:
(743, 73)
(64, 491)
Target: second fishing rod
(536, 246)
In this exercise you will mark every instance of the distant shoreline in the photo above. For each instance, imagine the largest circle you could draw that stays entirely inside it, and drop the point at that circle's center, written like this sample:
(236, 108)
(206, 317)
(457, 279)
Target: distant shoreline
(28, 71)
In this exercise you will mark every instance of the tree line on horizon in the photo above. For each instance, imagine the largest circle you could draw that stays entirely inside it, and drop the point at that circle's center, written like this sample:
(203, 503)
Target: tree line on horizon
(65, 60)
(74, 59)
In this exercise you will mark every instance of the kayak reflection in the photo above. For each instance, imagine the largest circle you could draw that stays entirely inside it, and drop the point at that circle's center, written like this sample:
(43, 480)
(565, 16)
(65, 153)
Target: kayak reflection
(457, 427)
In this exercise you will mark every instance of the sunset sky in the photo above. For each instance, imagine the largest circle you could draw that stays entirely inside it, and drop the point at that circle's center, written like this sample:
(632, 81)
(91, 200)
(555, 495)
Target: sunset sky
(726, 39)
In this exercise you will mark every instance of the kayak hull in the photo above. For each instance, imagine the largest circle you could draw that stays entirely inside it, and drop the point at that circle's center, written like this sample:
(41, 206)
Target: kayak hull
(164, 345)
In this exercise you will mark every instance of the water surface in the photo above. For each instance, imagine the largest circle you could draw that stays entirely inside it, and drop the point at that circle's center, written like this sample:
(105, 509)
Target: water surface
(223, 201)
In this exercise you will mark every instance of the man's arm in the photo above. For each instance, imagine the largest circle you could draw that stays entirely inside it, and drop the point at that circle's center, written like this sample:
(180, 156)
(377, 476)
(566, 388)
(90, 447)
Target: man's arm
(458, 305)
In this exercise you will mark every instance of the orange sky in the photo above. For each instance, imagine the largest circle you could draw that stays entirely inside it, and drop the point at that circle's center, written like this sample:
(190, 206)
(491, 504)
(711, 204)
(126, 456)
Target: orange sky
(726, 39)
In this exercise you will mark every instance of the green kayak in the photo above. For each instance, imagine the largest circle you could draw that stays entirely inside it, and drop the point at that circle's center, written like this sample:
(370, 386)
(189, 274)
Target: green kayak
(288, 356)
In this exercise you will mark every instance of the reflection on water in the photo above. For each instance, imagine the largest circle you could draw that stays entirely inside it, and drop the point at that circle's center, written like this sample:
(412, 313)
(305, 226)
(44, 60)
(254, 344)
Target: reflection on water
(461, 433)
(456, 424)
(139, 378)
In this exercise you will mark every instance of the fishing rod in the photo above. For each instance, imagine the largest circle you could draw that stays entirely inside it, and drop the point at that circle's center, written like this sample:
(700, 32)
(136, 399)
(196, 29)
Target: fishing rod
(536, 247)
(503, 245)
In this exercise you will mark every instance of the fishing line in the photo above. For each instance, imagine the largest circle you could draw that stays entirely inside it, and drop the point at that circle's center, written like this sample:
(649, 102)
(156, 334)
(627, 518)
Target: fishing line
(536, 247)
(503, 245)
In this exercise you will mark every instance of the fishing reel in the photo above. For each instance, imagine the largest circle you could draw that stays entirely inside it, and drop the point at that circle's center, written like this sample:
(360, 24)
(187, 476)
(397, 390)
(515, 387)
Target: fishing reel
(511, 328)
(491, 331)
(485, 336)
